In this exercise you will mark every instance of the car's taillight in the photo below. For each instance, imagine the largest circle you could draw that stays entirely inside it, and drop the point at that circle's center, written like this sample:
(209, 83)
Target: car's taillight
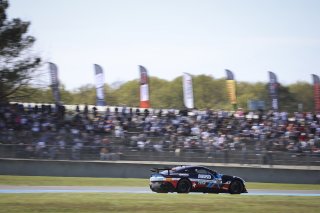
(157, 178)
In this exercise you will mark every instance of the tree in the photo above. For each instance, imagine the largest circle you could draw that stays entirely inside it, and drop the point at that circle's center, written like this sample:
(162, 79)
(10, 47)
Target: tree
(84, 95)
(39, 95)
(303, 93)
(158, 92)
(252, 91)
(287, 100)
(172, 95)
(209, 92)
(128, 94)
(17, 63)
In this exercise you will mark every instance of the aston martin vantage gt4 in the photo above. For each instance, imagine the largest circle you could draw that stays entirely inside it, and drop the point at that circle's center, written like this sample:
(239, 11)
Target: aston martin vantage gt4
(185, 179)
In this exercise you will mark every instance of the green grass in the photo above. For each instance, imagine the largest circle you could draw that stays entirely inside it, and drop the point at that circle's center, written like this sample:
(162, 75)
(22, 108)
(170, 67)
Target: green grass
(282, 186)
(101, 202)
(83, 181)
(70, 181)
(120, 202)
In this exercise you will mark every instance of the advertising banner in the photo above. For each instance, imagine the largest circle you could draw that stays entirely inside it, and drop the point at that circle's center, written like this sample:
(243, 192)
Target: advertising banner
(187, 91)
(144, 88)
(316, 92)
(54, 83)
(273, 90)
(231, 88)
(99, 80)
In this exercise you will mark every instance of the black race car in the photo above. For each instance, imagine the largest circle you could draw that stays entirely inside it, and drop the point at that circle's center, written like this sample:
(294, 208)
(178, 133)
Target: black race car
(185, 179)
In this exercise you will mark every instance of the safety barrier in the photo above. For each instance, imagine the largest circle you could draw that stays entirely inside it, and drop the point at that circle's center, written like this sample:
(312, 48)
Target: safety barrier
(131, 169)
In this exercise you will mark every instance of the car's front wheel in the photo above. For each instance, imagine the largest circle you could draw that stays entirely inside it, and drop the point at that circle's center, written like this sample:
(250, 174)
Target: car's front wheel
(184, 186)
(236, 187)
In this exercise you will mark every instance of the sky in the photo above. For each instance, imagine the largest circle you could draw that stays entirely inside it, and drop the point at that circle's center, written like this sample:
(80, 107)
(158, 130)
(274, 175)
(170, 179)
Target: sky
(170, 37)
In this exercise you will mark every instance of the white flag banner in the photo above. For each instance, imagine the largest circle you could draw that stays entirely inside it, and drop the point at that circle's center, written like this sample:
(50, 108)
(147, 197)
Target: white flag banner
(144, 92)
(99, 80)
(187, 91)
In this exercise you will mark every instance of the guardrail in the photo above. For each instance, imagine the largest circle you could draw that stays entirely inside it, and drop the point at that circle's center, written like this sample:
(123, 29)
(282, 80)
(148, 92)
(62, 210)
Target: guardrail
(141, 169)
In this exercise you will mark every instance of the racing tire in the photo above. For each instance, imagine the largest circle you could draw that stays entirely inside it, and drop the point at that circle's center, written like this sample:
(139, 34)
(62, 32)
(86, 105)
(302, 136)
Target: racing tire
(236, 187)
(184, 186)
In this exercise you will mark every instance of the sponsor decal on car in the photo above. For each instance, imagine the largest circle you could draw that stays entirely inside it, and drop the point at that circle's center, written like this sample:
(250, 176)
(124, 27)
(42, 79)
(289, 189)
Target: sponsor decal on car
(202, 182)
(213, 184)
(225, 187)
(194, 185)
(201, 176)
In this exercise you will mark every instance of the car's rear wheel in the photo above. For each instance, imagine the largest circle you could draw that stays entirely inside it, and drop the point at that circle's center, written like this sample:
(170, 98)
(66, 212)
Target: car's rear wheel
(236, 187)
(184, 186)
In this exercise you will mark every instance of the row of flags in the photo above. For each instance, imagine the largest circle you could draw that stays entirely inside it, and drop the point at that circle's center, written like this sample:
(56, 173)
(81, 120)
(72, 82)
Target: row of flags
(188, 99)
(99, 83)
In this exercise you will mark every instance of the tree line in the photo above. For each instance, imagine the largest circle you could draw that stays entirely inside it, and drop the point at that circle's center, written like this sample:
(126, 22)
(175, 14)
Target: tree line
(208, 93)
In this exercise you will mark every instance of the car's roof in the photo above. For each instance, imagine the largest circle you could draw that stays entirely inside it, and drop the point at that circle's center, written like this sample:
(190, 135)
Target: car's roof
(188, 167)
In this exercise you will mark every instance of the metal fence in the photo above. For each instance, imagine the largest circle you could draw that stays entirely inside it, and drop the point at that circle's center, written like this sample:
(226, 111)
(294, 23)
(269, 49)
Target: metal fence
(125, 152)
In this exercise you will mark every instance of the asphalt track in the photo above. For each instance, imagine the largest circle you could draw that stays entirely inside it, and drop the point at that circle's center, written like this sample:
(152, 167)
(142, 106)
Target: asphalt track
(4, 189)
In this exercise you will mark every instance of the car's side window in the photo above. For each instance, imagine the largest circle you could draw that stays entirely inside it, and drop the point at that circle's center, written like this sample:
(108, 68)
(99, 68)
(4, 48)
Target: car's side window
(201, 171)
(184, 171)
(203, 174)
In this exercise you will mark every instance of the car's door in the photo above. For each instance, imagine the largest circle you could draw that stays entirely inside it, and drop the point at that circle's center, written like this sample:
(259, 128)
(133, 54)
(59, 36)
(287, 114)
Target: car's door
(208, 178)
(203, 174)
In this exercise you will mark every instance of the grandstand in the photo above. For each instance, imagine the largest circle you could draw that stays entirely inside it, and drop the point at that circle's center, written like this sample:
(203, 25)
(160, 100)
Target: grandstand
(42, 131)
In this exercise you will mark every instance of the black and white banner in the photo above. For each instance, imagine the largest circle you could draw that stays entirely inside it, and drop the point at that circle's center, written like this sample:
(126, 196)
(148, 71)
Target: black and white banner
(187, 91)
(54, 82)
(273, 90)
(99, 80)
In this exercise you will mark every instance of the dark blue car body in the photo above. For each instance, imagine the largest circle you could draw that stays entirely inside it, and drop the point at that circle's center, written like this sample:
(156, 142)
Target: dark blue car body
(185, 179)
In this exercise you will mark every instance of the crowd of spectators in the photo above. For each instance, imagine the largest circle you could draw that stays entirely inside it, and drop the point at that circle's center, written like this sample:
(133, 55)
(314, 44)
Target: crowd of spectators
(47, 131)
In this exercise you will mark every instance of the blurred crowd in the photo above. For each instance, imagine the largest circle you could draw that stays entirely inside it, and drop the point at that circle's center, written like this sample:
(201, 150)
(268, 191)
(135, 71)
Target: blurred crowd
(47, 131)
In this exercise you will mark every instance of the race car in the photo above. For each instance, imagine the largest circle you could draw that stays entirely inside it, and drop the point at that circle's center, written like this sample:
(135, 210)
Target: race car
(185, 179)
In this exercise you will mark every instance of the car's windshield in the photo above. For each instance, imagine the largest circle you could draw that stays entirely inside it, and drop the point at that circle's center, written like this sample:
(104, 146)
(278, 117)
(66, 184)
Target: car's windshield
(174, 170)
(165, 172)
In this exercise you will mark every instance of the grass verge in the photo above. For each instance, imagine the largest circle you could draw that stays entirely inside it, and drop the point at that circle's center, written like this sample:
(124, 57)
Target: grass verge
(98, 202)
(84, 181)
(70, 181)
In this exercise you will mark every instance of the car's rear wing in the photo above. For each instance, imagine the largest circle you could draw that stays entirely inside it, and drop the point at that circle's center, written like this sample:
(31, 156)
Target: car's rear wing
(157, 170)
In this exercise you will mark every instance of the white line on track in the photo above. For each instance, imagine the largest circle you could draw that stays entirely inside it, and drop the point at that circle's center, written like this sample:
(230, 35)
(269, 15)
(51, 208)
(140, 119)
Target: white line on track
(5, 189)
